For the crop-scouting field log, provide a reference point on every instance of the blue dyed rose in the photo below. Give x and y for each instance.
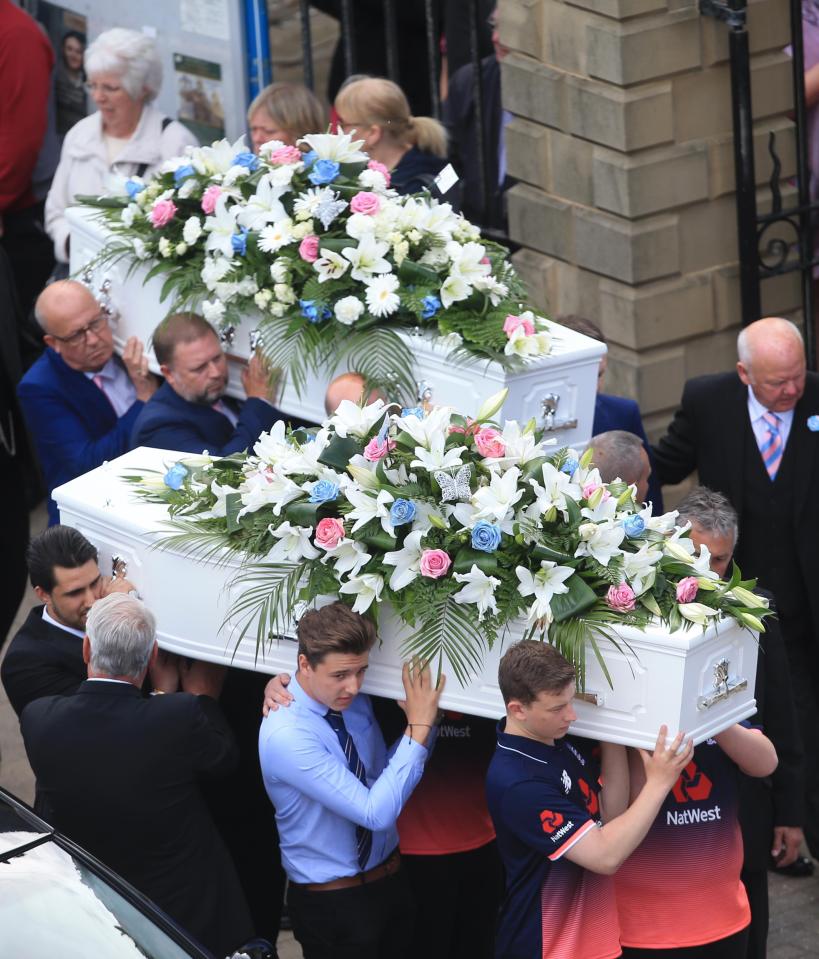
(413, 411)
(570, 467)
(132, 188)
(309, 159)
(324, 491)
(402, 511)
(309, 310)
(246, 159)
(634, 525)
(485, 536)
(323, 172)
(182, 173)
(239, 241)
(175, 476)
(431, 306)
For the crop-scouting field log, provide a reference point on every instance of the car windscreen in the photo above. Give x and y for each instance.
(51, 904)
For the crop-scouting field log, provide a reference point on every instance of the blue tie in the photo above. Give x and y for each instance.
(364, 837)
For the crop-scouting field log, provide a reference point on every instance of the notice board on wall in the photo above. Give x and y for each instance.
(202, 45)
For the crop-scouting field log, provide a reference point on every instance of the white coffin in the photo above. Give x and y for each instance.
(661, 678)
(565, 382)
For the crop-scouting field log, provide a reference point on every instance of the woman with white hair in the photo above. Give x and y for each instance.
(125, 137)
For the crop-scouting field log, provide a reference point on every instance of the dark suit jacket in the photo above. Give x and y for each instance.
(708, 434)
(777, 800)
(119, 772)
(170, 422)
(42, 660)
(621, 413)
(74, 427)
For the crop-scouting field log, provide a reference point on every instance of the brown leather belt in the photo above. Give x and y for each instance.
(389, 867)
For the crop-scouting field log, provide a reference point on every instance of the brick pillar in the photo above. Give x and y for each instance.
(622, 145)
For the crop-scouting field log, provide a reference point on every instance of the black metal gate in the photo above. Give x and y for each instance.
(781, 241)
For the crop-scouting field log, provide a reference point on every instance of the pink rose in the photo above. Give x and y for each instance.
(329, 533)
(490, 443)
(687, 589)
(471, 427)
(209, 198)
(309, 248)
(435, 563)
(591, 488)
(379, 168)
(364, 202)
(621, 598)
(377, 449)
(285, 155)
(512, 322)
(162, 212)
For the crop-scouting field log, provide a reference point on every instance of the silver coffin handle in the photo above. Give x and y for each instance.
(549, 405)
(725, 685)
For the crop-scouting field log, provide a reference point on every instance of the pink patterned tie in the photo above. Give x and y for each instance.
(100, 384)
(771, 449)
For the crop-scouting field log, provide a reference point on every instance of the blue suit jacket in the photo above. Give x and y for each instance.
(74, 427)
(170, 422)
(619, 413)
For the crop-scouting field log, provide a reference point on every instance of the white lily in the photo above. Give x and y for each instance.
(496, 501)
(268, 488)
(702, 563)
(528, 347)
(367, 258)
(366, 589)
(640, 568)
(294, 544)
(350, 419)
(330, 266)
(263, 207)
(273, 447)
(600, 541)
(557, 487)
(423, 430)
(348, 557)
(336, 146)
(547, 582)
(479, 589)
(467, 261)
(367, 507)
(217, 158)
(220, 227)
(697, 612)
(453, 289)
(407, 561)
(436, 457)
(221, 493)
(604, 509)
(303, 459)
(663, 523)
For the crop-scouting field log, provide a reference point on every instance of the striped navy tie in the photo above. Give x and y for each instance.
(364, 837)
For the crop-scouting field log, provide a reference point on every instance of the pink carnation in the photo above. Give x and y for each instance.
(209, 198)
(162, 212)
(364, 202)
(435, 563)
(687, 589)
(490, 443)
(285, 155)
(512, 322)
(329, 533)
(379, 168)
(591, 488)
(377, 449)
(621, 598)
(309, 248)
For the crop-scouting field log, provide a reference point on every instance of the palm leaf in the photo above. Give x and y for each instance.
(383, 359)
(449, 630)
(267, 601)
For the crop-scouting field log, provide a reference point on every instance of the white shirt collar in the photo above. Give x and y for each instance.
(68, 629)
(756, 410)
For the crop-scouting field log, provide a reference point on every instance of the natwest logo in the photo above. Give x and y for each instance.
(550, 821)
(693, 785)
(589, 797)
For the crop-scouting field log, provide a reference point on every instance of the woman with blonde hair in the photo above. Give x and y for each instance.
(412, 148)
(286, 112)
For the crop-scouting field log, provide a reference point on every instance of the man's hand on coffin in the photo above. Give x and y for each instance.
(136, 364)
(202, 679)
(258, 381)
(276, 694)
(164, 672)
(115, 584)
(422, 697)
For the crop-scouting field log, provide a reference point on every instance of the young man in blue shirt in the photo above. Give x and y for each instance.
(338, 793)
(545, 798)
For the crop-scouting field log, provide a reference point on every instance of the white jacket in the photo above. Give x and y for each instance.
(84, 167)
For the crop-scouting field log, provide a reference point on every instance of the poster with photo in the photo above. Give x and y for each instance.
(68, 31)
(200, 96)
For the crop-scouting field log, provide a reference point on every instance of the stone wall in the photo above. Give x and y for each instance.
(622, 145)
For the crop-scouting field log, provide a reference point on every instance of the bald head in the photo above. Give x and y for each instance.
(618, 454)
(772, 362)
(75, 325)
(348, 386)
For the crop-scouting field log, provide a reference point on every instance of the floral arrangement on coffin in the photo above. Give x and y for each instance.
(463, 526)
(333, 259)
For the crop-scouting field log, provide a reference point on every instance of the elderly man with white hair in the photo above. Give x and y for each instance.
(753, 434)
(119, 772)
(126, 137)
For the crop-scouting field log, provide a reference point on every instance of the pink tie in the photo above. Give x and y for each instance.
(771, 449)
(99, 383)
(220, 407)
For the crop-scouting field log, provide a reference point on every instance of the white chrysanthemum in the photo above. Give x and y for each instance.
(284, 293)
(372, 180)
(192, 229)
(306, 204)
(274, 237)
(262, 298)
(279, 271)
(494, 289)
(215, 269)
(359, 224)
(181, 249)
(382, 300)
(348, 309)
(213, 310)
(165, 248)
